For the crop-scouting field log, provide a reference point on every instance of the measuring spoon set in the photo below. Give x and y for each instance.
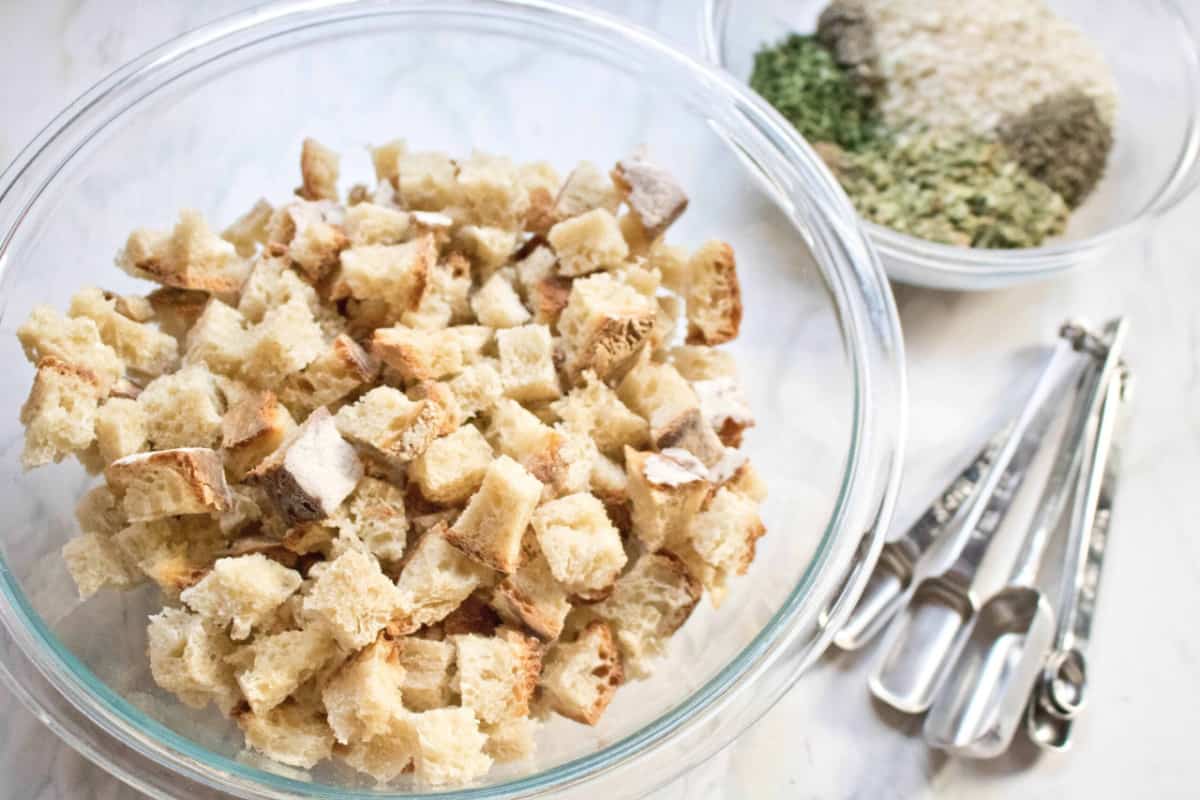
(981, 667)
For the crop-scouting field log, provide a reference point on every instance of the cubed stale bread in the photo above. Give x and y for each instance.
(412, 462)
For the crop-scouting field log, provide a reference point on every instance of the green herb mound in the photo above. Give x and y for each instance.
(801, 78)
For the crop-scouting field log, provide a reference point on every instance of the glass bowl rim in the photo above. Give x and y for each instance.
(946, 266)
(869, 323)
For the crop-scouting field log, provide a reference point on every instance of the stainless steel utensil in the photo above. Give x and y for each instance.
(1059, 695)
(924, 639)
(985, 694)
(904, 560)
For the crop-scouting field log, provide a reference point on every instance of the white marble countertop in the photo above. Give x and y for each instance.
(826, 739)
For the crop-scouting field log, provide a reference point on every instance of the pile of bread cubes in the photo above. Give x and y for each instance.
(415, 469)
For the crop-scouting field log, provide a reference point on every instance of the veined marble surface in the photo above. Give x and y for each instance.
(826, 739)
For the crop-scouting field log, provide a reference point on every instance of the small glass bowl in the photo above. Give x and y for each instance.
(214, 119)
(1155, 163)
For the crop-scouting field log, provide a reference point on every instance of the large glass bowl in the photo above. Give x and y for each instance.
(1152, 50)
(214, 119)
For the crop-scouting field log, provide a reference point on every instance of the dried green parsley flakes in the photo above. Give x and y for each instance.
(800, 77)
(950, 187)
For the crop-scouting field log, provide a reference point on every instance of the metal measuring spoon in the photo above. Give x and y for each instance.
(925, 637)
(985, 695)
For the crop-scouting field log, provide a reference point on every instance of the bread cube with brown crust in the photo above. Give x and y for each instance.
(441, 395)
(497, 675)
(723, 404)
(375, 513)
(669, 403)
(497, 303)
(447, 297)
(70, 340)
(427, 666)
(489, 188)
(291, 733)
(319, 171)
(604, 326)
(665, 490)
(586, 189)
(473, 616)
(273, 666)
(581, 677)
(548, 298)
(394, 276)
(241, 593)
(648, 604)
(580, 544)
(535, 262)
(654, 196)
(527, 363)
(338, 372)
(311, 472)
(60, 413)
(453, 466)
(188, 658)
(273, 283)
(191, 256)
(141, 347)
(436, 579)
(218, 339)
(286, 341)
(517, 432)
(120, 429)
(541, 183)
(176, 310)
(417, 355)
(251, 430)
(725, 531)
(491, 527)
(594, 409)
(354, 599)
(389, 426)
(96, 562)
(533, 599)
(364, 695)
(488, 248)
(385, 158)
(249, 230)
(714, 295)
(183, 409)
(477, 388)
(370, 223)
(587, 243)
(165, 483)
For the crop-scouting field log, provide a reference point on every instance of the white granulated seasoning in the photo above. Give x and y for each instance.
(969, 63)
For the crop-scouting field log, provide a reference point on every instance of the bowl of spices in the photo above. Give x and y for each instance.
(984, 143)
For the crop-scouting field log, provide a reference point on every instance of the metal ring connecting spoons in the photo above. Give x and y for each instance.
(926, 636)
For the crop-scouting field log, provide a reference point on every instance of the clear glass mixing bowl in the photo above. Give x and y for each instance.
(1152, 49)
(214, 119)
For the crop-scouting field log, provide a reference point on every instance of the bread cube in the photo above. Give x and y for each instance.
(285, 342)
(447, 297)
(394, 275)
(747, 482)
(176, 310)
(714, 295)
(369, 223)
(319, 170)
(427, 665)
(141, 347)
(724, 533)
(586, 189)
(665, 490)
(594, 409)
(654, 196)
(182, 409)
(354, 599)
(582, 676)
(273, 283)
(385, 158)
(174, 552)
(473, 616)
(511, 739)
(664, 398)
(191, 256)
(517, 432)
(436, 579)
(724, 406)
(703, 363)
(251, 430)
(548, 298)
(449, 747)
(187, 658)
(309, 475)
(491, 527)
(605, 325)
(417, 355)
(527, 363)
(389, 753)
(389, 425)
(73, 341)
(589, 242)
(453, 466)
(99, 511)
(536, 266)
(292, 733)
(218, 339)
(439, 393)
(488, 248)
(427, 181)
(533, 599)
(375, 514)
(648, 604)
(273, 666)
(497, 674)
(497, 303)
(364, 695)
(333, 375)
(477, 388)
(580, 544)
(96, 562)
(187, 480)
(241, 593)
(489, 188)
(60, 413)
(249, 230)
(120, 429)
